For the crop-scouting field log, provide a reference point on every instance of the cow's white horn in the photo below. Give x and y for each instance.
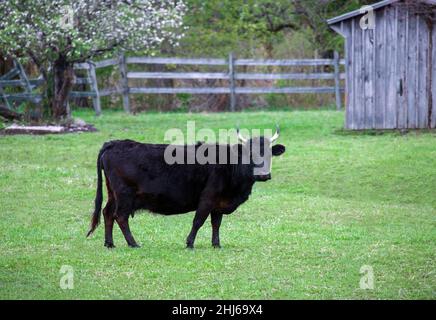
(276, 135)
(240, 137)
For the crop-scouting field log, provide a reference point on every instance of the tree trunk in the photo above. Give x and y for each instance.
(63, 78)
(269, 48)
(6, 64)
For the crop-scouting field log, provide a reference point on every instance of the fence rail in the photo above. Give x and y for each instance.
(7, 80)
(230, 74)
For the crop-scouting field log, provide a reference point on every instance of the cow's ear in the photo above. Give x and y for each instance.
(278, 150)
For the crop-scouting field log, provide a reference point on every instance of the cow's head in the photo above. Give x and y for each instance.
(260, 151)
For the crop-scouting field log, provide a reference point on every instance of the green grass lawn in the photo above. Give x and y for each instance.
(337, 202)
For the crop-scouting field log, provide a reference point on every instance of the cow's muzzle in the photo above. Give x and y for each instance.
(263, 178)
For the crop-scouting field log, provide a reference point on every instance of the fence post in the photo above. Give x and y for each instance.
(92, 77)
(3, 95)
(25, 80)
(124, 82)
(23, 77)
(338, 80)
(68, 107)
(232, 82)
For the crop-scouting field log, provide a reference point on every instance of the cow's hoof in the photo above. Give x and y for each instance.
(109, 245)
(134, 246)
(190, 246)
(217, 246)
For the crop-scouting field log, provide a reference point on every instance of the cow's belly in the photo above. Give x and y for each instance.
(168, 196)
(164, 204)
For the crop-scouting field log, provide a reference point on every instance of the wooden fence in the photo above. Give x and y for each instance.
(231, 75)
(10, 80)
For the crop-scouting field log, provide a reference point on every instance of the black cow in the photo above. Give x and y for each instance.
(138, 177)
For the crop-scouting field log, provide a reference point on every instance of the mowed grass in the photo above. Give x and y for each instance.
(337, 202)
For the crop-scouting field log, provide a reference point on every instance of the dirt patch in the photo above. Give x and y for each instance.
(43, 130)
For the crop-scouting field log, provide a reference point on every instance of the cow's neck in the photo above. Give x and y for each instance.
(242, 177)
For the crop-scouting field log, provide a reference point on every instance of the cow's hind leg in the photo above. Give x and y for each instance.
(124, 208)
(108, 214)
(123, 222)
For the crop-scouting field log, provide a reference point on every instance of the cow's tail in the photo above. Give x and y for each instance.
(95, 220)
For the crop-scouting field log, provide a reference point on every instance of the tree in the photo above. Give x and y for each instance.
(267, 20)
(213, 28)
(55, 34)
(219, 26)
(313, 14)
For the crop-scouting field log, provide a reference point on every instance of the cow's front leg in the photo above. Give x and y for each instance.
(199, 219)
(216, 223)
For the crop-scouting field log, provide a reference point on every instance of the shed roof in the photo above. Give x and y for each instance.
(375, 6)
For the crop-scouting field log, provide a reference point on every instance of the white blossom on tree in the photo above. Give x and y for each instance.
(55, 34)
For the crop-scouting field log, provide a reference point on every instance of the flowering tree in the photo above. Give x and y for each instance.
(55, 34)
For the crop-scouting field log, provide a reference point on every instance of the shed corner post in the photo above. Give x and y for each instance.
(124, 82)
(337, 80)
(232, 82)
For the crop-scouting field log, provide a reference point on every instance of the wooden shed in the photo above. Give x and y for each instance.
(391, 66)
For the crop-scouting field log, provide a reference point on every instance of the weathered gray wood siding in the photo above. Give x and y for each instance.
(433, 79)
(390, 78)
(388, 91)
(404, 38)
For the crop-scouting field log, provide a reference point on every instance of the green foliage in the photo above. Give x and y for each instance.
(184, 100)
(212, 28)
(336, 202)
(217, 27)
